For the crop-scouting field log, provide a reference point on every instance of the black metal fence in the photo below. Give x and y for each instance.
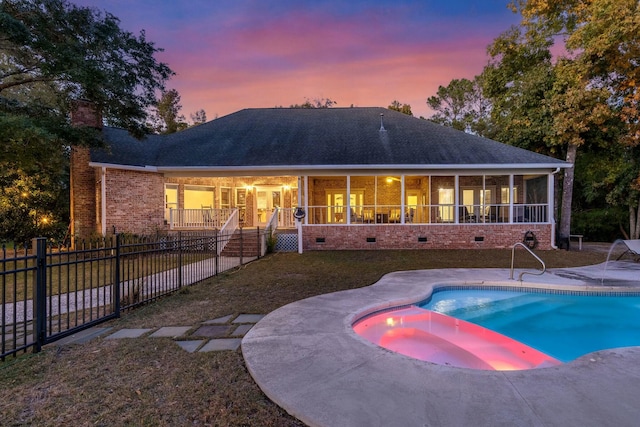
(48, 293)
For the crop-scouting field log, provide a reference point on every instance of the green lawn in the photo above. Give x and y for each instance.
(152, 382)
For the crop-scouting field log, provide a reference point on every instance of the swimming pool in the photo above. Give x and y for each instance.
(306, 357)
(564, 326)
(505, 329)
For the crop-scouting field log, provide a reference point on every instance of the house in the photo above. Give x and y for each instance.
(367, 178)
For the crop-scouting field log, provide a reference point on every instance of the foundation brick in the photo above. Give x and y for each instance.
(439, 236)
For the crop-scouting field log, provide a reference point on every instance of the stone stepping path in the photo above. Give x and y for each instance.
(223, 333)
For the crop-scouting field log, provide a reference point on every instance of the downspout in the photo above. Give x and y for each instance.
(103, 204)
(551, 191)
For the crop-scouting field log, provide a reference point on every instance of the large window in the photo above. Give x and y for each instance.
(199, 197)
(170, 199)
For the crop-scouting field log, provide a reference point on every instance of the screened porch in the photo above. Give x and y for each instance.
(412, 199)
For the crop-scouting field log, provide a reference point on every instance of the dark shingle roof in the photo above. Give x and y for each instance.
(313, 137)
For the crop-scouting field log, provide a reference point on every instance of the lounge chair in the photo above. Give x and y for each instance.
(633, 248)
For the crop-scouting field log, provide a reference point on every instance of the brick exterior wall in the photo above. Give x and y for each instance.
(438, 236)
(134, 201)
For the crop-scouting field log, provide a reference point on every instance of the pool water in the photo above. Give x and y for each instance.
(562, 326)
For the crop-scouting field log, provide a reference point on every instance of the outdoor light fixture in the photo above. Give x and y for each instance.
(299, 213)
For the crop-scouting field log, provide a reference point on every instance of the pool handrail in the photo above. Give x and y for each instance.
(513, 254)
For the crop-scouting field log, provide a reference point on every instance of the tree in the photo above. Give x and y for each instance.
(579, 115)
(199, 117)
(403, 108)
(547, 106)
(517, 81)
(167, 113)
(315, 103)
(52, 53)
(603, 37)
(462, 106)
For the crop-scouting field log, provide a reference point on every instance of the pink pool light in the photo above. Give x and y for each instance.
(438, 338)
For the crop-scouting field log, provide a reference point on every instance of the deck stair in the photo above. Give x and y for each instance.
(247, 246)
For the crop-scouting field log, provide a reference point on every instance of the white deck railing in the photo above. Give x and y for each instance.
(199, 219)
(227, 230)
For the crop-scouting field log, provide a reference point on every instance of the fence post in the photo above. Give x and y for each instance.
(116, 278)
(217, 256)
(40, 294)
(179, 259)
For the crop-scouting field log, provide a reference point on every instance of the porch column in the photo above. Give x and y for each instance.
(306, 198)
(456, 202)
(348, 212)
(511, 199)
(402, 201)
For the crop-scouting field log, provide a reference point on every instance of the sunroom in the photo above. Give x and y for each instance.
(426, 199)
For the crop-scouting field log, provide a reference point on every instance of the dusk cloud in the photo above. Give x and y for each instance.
(230, 55)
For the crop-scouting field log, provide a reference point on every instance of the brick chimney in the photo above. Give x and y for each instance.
(83, 177)
(84, 113)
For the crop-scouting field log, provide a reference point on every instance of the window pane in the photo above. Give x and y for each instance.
(225, 197)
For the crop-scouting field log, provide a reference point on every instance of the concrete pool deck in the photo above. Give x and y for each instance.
(306, 357)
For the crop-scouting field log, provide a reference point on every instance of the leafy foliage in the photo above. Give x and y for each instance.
(315, 103)
(51, 54)
(80, 53)
(579, 100)
(603, 37)
(462, 105)
(167, 116)
(199, 117)
(402, 108)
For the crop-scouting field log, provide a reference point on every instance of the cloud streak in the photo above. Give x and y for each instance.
(230, 55)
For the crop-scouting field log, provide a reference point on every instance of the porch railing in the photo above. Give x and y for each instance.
(227, 230)
(273, 221)
(199, 219)
(428, 214)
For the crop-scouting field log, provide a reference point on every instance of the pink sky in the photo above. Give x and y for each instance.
(235, 54)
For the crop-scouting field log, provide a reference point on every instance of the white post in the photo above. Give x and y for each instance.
(299, 225)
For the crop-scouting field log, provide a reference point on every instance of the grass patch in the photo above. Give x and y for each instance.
(152, 382)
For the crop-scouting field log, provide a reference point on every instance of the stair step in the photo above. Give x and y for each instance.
(248, 246)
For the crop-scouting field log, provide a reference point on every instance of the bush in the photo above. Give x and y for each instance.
(600, 225)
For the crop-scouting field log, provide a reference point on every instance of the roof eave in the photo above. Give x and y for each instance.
(325, 169)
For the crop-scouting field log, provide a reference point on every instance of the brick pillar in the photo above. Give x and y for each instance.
(83, 193)
(82, 176)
